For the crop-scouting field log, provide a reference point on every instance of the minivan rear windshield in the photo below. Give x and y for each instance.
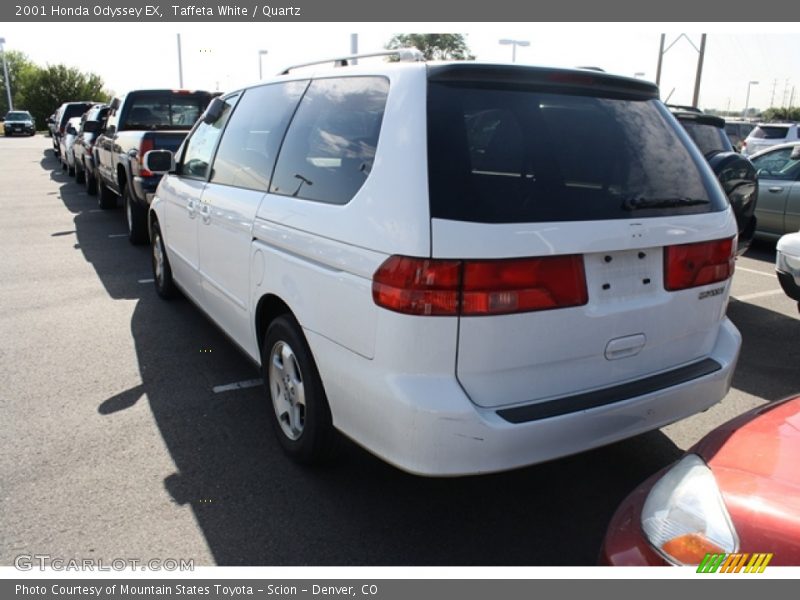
(770, 132)
(506, 155)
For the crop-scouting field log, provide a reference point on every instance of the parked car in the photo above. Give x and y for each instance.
(737, 132)
(735, 172)
(141, 120)
(465, 268)
(766, 135)
(92, 122)
(51, 124)
(787, 265)
(18, 122)
(64, 113)
(66, 141)
(778, 208)
(736, 491)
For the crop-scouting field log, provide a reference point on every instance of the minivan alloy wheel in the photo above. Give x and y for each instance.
(158, 259)
(287, 390)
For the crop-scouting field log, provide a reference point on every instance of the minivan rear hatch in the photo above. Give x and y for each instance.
(594, 244)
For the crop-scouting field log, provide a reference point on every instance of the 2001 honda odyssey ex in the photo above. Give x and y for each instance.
(463, 267)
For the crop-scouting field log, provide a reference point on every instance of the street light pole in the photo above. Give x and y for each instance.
(514, 44)
(260, 73)
(180, 63)
(747, 101)
(5, 73)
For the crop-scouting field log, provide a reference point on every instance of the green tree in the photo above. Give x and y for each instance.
(55, 84)
(781, 114)
(20, 71)
(434, 46)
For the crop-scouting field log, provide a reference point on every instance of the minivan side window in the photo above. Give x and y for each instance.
(331, 142)
(200, 146)
(248, 150)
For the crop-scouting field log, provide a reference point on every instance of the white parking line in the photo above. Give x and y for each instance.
(755, 295)
(146, 280)
(112, 235)
(746, 270)
(237, 386)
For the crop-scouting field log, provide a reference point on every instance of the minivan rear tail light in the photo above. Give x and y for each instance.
(693, 265)
(417, 286)
(422, 286)
(492, 287)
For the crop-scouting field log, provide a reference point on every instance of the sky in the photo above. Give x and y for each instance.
(226, 56)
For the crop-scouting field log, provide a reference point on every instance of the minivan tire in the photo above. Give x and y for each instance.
(162, 272)
(297, 405)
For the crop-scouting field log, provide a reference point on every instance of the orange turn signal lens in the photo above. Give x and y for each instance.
(690, 548)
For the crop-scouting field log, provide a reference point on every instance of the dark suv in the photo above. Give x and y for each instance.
(735, 172)
(18, 122)
(64, 113)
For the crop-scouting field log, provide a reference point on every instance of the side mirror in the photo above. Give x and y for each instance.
(213, 111)
(159, 161)
(91, 126)
(795, 155)
(110, 130)
(71, 130)
(115, 104)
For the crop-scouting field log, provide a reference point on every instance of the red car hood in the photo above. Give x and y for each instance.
(756, 462)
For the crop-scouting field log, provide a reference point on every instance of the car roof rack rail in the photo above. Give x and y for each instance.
(403, 54)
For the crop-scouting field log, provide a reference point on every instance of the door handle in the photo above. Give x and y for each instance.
(775, 189)
(205, 212)
(191, 209)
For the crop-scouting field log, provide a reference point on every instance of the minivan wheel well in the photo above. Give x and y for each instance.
(270, 307)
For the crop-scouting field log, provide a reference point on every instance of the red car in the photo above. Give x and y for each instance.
(736, 491)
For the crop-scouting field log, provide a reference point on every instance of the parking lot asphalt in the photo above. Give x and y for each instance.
(115, 443)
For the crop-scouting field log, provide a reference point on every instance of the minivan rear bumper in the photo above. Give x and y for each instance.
(426, 424)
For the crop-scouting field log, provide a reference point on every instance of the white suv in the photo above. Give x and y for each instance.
(766, 135)
(463, 267)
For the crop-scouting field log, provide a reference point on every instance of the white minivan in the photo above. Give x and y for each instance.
(463, 267)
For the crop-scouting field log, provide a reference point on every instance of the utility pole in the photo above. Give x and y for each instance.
(5, 74)
(700, 57)
(785, 91)
(660, 59)
(772, 100)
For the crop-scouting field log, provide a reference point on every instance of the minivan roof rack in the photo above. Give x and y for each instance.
(404, 54)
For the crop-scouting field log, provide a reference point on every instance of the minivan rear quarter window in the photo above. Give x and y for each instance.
(330, 145)
(500, 154)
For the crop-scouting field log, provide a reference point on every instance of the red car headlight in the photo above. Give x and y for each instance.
(684, 517)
